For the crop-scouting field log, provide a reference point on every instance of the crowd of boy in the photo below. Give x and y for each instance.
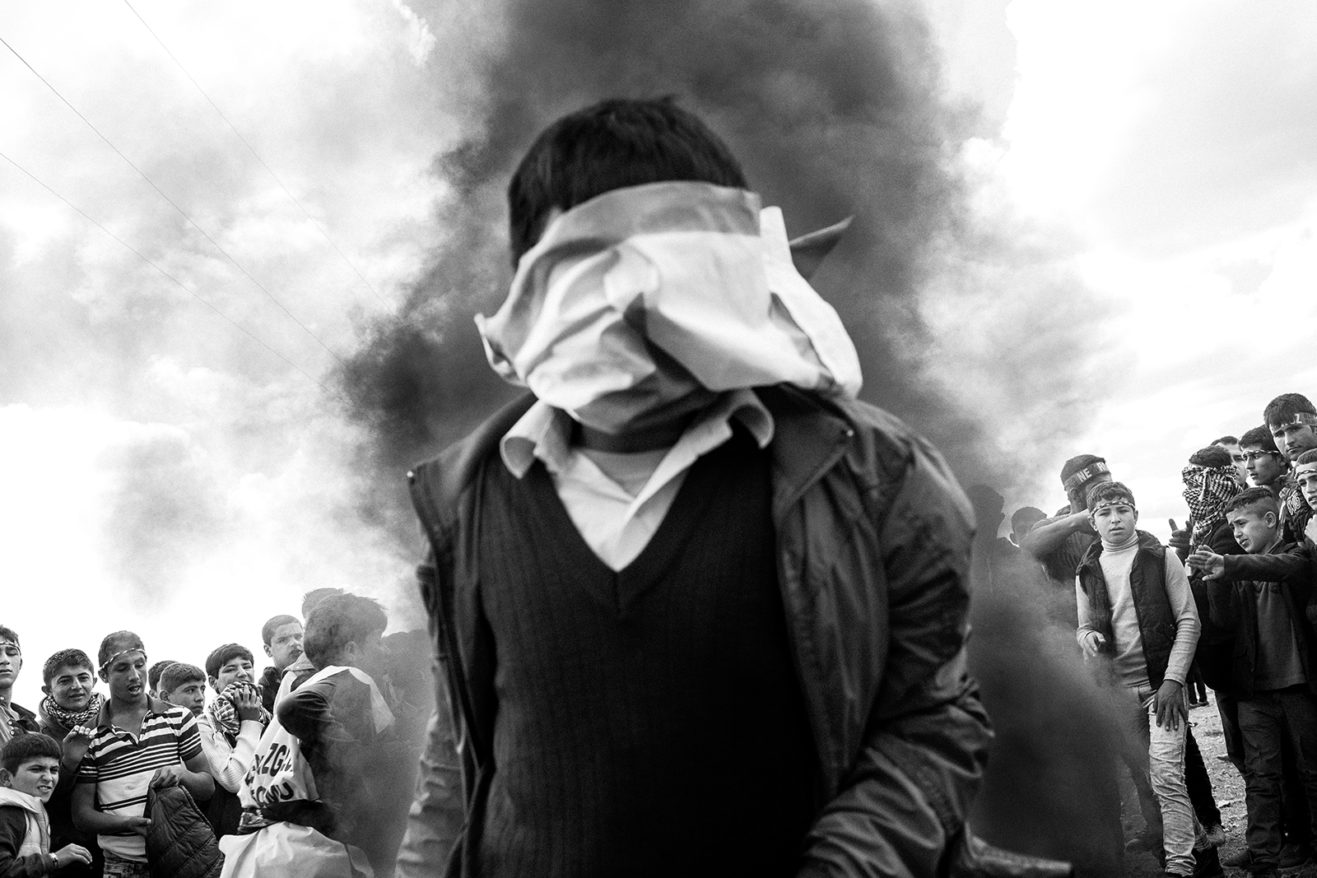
(1233, 606)
(77, 773)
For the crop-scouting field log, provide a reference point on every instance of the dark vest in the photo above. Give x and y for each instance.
(1151, 605)
(649, 721)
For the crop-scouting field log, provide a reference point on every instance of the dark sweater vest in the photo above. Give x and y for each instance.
(649, 721)
(1152, 607)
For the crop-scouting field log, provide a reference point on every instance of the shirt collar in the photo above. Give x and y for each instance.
(544, 432)
(153, 706)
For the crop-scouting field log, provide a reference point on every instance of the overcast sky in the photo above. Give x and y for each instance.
(173, 456)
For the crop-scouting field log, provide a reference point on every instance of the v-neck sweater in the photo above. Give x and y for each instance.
(649, 720)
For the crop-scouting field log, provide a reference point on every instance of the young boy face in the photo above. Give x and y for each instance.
(11, 662)
(190, 695)
(1264, 467)
(1306, 478)
(285, 646)
(126, 676)
(236, 669)
(70, 687)
(1293, 439)
(1114, 520)
(36, 777)
(1255, 530)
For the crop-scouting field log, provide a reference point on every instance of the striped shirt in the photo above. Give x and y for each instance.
(121, 766)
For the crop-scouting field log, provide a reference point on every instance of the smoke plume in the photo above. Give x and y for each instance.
(834, 109)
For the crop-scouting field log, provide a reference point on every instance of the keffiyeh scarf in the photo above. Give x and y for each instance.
(1207, 490)
(69, 718)
(224, 713)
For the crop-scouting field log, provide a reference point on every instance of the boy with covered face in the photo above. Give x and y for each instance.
(689, 540)
(1136, 613)
(1262, 596)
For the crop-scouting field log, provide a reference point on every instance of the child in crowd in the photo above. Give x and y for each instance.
(1292, 420)
(153, 678)
(282, 636)
(14, 719)
(29, 771)
(183, 685)
(1274, 669)
(68, 714)
(230, 729)
(1136, 610)
(139, 742)
(346, 729)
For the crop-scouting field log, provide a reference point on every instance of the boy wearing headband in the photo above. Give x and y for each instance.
(140, 742)
(1136, 613)
(700, 611)
(1292, 420)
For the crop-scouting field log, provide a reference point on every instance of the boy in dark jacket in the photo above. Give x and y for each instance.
(14, 719)
(1274, 670)
(29, 771)
(689, 540)
(347, 732)
(68, 714)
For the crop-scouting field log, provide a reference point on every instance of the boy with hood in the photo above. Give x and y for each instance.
(29, 770)
(690, 540)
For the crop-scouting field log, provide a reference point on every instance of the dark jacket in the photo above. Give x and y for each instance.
(1232, 603)
(25, 720)
(873, 540)
(1152, 607)
(60, 810)
(1216, 644)
(179, 843)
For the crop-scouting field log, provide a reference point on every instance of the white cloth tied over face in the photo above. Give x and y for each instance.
(644, 295)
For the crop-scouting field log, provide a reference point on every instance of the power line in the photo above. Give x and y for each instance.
(272, 297)
(203, 300)
(236, 133)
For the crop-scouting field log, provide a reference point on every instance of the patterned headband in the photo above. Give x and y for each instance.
(1118, 500)
(123, 652)
(1079, 477)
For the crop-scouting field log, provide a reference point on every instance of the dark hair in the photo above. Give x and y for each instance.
(314, 597)
(1212, 455)
(25, 748)
(9, 634)
(1309, 456)
(337, 621)
(222, 655)
(1286, 406)
(1109, 491)
(1026, 512)
(153, 673)
(179, 673)
(1255, 496)
(612, 145)
(274, 623)
(1261, 437)
(122, 639)
(1226, 440)
(74, 658)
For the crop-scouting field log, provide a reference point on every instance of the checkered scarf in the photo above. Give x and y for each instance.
(224, 714)
(1207, 490)
(68, 718)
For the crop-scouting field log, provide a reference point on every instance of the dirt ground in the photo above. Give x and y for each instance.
(1227, 786)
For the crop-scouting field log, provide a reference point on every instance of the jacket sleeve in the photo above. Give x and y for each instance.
(1267, 568)
(13, 829)
(902, 806)
(438, 811)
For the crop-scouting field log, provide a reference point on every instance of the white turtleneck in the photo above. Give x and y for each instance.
(1130, 665)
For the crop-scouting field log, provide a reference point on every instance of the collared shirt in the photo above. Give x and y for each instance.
(617, 501)
(121, 766)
